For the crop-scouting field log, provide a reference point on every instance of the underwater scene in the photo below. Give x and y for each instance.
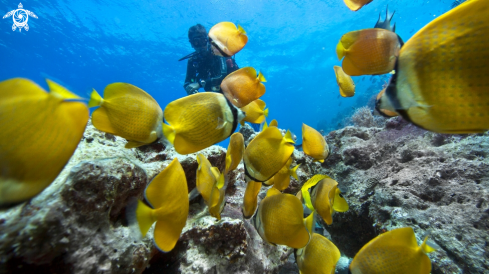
(333, 136)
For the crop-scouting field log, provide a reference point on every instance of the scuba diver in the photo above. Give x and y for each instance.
(204, 69)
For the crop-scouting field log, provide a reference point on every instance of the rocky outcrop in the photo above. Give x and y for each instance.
(401, 175)
(78, 223)
(392, 173)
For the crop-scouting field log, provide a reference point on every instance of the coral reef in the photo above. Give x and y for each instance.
(392, 173)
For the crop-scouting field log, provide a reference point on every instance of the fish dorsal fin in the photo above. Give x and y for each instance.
(288, 137)
(261, 77)
(273, 191)
(339, 204)
(61, 92)
(293, 172)
(261, 104)
(314, 180)
(264, 126)
(273, 123)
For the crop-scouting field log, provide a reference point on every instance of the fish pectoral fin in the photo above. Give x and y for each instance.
(133, 144)
(220, 123)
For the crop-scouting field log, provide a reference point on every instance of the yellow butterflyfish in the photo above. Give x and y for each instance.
(319, 256)
(243, 86)
(199, 121)
(39, 131)
(129, 112)
(250, 199)
(281, 179)
(346, 84)
(314, 144)
(167, 196)
(267, 153)
(368, 51)
(279, 220)
(255, 112)
(394, 252)
(226, 39)
(325, 198)
(235, 152)
(441, 84)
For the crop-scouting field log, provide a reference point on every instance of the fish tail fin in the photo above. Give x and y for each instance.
(95, 99)
(59, 91)
(241, 30)
(428, 246)
(169, 133)
(265, 112)
(340, 50)
(261, 77)
(140, 213)
(264, 126)
(288, 137)
(293, 172)
(309, 222)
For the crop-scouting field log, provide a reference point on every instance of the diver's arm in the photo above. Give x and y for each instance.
(190, 85)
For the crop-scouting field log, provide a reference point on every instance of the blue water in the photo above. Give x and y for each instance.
(90, 44)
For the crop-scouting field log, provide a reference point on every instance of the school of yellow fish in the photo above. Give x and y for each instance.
(434, 85)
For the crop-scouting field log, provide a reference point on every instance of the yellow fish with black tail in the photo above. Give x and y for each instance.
(250, 199)
(129, 112)
(394, 252)
(355, 5)
(167, 196)
(313, 144)
(281, 179)
(368, 51)
(279, 220)
(346, 84)
(39, 132)
(267, 153)
(383, 105)
(325, 198)
(227, 40)
(243, 86)
(235, 152)
(199, 121)
(255, 112)
(441, 84)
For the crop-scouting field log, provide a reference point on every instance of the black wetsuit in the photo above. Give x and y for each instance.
(210, 68)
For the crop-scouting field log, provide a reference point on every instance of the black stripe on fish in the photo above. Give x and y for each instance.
(218, 48)
(234, 110)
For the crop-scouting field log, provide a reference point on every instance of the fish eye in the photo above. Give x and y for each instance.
(341, 195)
